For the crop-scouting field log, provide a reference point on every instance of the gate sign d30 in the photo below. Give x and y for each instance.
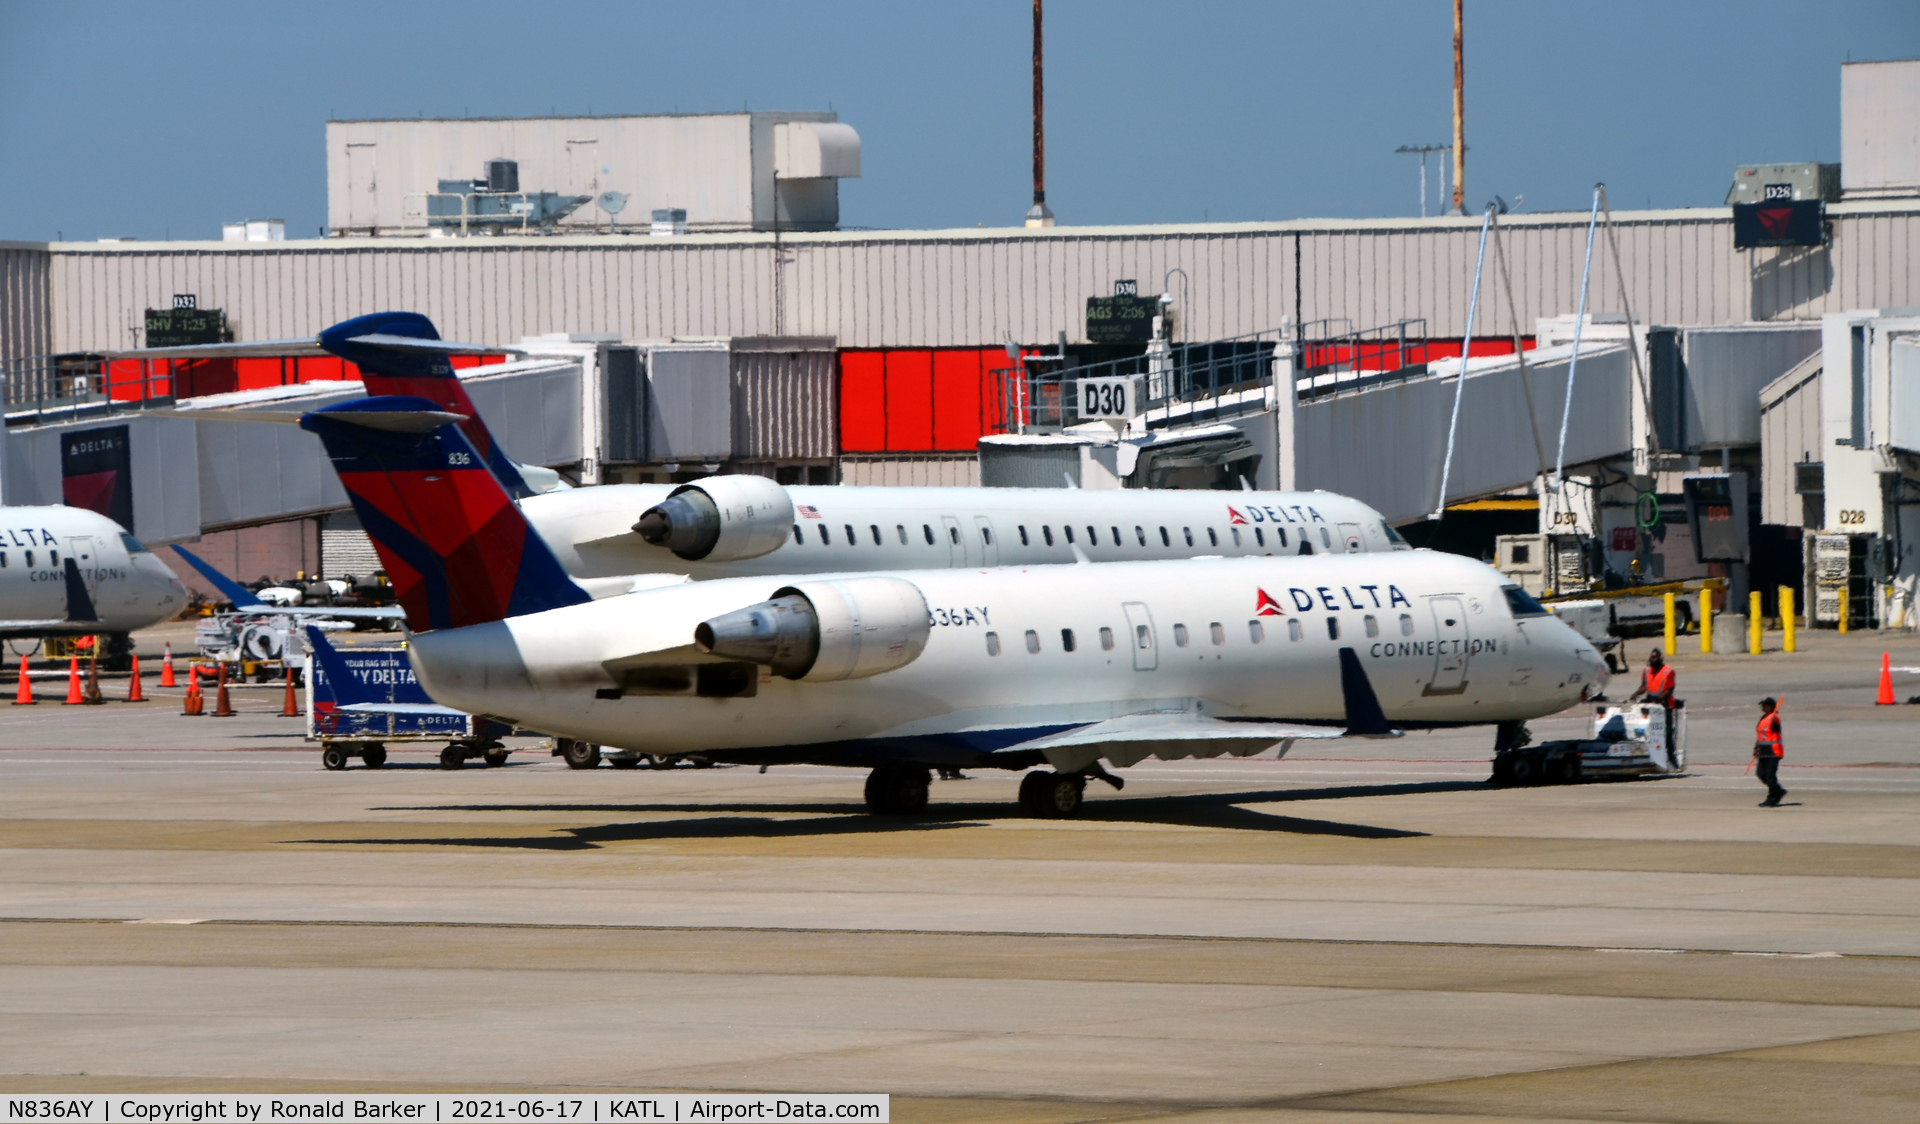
(1106, 398)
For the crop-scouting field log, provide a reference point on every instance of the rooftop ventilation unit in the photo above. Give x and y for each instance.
(494, 203)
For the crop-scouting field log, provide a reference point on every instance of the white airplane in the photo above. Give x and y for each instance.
(126, 587)
(727, 526)
(1064, 665)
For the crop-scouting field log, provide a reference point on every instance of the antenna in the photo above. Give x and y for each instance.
(612, 202)
(1422, 151)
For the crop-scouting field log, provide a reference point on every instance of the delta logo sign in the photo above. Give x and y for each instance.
(1301, 513)
(1265, 606)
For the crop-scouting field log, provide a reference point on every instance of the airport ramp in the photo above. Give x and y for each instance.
(1384, 443)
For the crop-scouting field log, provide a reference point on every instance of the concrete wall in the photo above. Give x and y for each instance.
(977, 287)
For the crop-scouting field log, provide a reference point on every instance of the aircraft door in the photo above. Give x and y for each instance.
(1350, 538)
(1146, 649)
(956, 542)
(989, 542)
(1450, 659)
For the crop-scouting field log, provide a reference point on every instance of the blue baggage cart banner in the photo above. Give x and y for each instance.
(385, 676)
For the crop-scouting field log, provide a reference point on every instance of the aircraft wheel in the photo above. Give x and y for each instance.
(624, 762)
(579, 754)
(494, 758)
(702, 763)
(374, 755)
(333, 758)
(1064, 794)
(897, 791)
(452, 757)
(1031, 799)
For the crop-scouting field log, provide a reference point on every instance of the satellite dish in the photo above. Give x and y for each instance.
(613, 202)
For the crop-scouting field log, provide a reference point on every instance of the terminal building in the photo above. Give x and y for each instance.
(713, 317)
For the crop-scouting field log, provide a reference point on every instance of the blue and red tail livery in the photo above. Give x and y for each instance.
(419, 373)
(455, 547)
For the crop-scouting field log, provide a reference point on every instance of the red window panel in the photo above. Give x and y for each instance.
(956, 399)
(863, 402)
(909, 406)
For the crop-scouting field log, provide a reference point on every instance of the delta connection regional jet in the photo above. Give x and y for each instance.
(728, 526)
(1067, 666)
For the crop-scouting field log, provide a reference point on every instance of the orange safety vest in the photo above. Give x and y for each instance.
(1766, 735)
(1658, 685)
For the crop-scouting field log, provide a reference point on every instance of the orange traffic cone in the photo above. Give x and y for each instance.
(190, 706)
(74, 697)
(290, 709)
(93, 696)
(24, 696)
(133, 688)
(166, 668)
(222, 707)
(1886, 680)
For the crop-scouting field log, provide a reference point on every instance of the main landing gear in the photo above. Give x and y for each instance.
(1058, 796)
(897, 790)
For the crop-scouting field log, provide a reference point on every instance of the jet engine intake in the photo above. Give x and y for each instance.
(825, 631)
(720, 519)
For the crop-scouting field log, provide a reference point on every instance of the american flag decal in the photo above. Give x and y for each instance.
(807, 512)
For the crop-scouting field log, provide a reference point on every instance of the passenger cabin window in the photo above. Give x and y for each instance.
(1236, 536)
(1106, 640)
(927, 530)
(1047, 533)
(53, 558)
(1142, 637)
(1218, 632)
(1260, 536)
(902, 529)
(986, 535)
(1093, 535)
(875, 528)
(1294, 631)
(826, 536)
(953, 533)
(1068, 531)
(1213, 538)
(29, 559)
(798, 538)
(1256, 632)
(1326, 538)
(1522, 603)
(1406, 624)
(1142, 533)
(1116, 536)
(852, 539)
(3, 559)
(1165, 539)
(1373, 626)
(993, 643)
(1333, 628)
(1188, 532)
(1281, 532)
(1023, 535)
(1179, 635)
(1066, 640)
(1033, 642)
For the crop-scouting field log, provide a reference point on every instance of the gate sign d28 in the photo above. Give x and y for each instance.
(1106, 398)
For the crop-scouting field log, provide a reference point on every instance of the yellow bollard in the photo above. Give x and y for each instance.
(1668, 634)
(1706, 620)
(1843, 610)
(1753, 623)
(1786, 618)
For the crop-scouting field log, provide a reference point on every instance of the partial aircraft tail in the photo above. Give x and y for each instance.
(455, 547)
(80, 608)
(240, 595)
(396, 355)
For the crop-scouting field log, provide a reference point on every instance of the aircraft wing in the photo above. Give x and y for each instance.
(1166, 734)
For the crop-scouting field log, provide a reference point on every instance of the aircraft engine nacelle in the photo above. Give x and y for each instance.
(720, 519)
(825, 631)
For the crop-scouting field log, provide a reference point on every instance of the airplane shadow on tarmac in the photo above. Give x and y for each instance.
(754, 821)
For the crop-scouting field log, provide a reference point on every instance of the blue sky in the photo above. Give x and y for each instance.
(154, 120)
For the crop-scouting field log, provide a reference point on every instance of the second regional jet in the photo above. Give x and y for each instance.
(1066, 666)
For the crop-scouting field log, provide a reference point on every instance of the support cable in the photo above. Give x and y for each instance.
(1519, 348)
(1460, 384)
(1573, 364)
(1639, 375)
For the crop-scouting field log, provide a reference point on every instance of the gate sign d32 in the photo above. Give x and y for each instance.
(1106, 398)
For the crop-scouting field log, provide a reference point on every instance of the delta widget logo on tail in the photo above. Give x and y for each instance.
(1265, 606)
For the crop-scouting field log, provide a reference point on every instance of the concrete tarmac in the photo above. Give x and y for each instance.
(1362, 931)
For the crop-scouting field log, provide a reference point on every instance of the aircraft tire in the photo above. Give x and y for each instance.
(452, 757)
(1030, 795)
(579, 754)
(894, 790)
(1064, 793)
(495, 758)
(333, 758)
(374, 755)
(624, 762)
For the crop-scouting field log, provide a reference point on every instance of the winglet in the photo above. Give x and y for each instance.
(341, 683)
(240, 595)
(1365, 719)
(79, 605)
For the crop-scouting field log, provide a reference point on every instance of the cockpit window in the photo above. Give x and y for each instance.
(1392, 535)
(132, 544)
(1522, 603)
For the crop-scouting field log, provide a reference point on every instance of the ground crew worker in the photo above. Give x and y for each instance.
(1657, 682)
(1767, 751)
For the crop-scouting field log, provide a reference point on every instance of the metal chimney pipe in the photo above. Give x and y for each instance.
(1459, 113)
(1038, 215)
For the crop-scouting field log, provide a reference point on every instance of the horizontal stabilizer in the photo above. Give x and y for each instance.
(1165, 734)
